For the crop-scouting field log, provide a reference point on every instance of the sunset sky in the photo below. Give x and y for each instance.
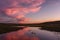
(29, 11)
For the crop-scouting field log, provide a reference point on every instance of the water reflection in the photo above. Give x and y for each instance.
(30, 33)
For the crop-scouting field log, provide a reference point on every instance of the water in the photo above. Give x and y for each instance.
(31, 33)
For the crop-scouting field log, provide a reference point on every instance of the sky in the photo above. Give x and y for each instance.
(29, 11)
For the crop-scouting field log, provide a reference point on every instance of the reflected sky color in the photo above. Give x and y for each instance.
(30, 34)
(29, 11)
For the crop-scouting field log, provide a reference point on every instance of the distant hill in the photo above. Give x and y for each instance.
(32, 24)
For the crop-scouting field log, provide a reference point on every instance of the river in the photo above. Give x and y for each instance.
(31, 33)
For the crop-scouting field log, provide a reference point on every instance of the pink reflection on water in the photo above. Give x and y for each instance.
(20, 35)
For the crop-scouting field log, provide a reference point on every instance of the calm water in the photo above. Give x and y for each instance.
(31, 33)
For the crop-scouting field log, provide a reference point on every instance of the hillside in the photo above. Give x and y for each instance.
(51, 26)
(8, 27)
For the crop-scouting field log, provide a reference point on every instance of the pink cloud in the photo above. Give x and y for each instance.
(19, 8)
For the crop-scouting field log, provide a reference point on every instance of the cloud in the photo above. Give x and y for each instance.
(19, 8)
(7, 20)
